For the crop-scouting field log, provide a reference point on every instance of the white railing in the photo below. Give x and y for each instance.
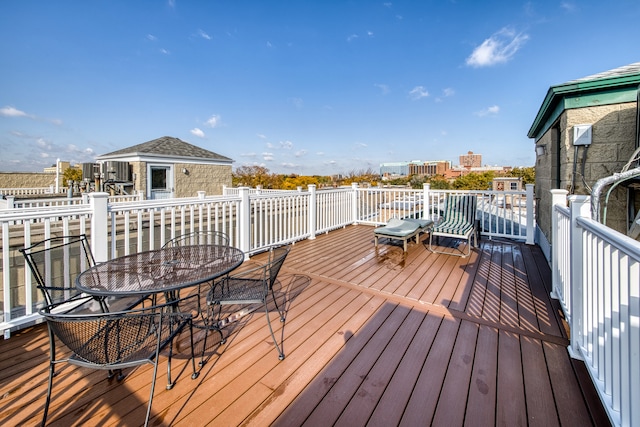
(31, 191)
(561, 261)
(507, 214)
(254, 220)
(600, 294)
(10, 202)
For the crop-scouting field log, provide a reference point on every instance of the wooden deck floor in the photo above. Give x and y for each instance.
(371, 338)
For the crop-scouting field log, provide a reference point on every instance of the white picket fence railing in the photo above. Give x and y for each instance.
(596, 277)
(23, 191)
(254, 219)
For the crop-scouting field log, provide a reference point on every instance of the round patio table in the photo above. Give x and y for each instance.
(162, 270)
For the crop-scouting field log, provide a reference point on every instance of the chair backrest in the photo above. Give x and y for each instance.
(199, 238)
(276, 259)
(110, 339)
(56, 262)
(460, 208)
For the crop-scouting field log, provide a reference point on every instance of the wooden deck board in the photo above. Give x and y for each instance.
(377, 337)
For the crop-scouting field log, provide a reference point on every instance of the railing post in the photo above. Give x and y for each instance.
(579, 206)
(558, 197)
(244, 215)
(99, 228)
(426, 200)
(312, 211)
(201, 194)
(354, 202)
(531, 230)
(11, 202)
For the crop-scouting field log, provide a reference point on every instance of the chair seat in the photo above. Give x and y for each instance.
(238, 291)
(402, 229)
(454, 228)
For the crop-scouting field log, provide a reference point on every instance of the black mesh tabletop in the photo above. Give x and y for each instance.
(161, 270)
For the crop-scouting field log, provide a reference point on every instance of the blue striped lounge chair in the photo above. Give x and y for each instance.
(459, 221)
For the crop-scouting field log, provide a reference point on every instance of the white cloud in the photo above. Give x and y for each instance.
(165, 51)
(267, 157)
(370, 33)
(261, 136)
(151, 37)
(213, 121)
(197, 132)
(301, 153)
(384, 88)
(297, 102)
(204, 35)
(567, 6)
(490, 111)
(286, 144)
(289, 165)
(497, 49)
(418, 92)
(352, 37)
(360, 145)
(12, 112)
(269, 45)
(270, 145)
(448, 92)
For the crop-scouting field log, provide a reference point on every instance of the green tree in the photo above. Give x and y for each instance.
(251, 176)
(528, 174)
(474, 181)
(439, 183)
(72, 174)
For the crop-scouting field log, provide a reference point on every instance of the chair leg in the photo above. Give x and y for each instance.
(273, 336)
(193, 355)
(153, 386)
(209, 326)
(46, 403)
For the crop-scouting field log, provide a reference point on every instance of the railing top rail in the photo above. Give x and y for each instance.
(562, 210)
(618, 240)
(160, 203)
(18, 214)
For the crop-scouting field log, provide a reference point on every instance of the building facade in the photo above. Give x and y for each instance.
(586, 130)
(471, 160)
(169, 167)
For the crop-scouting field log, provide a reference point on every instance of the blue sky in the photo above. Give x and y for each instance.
(303, 87)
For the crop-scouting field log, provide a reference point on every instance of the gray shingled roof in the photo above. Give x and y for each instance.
(169, 147)
(626, 70)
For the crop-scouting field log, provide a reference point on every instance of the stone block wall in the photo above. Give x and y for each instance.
(207, 178)
(613, 143)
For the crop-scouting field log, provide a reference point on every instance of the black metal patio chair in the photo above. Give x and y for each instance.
(204, 237)
(56, 262)
(251, 286)
(116, 340)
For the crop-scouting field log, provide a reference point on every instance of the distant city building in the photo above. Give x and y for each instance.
(414, 167)
(507, 183)
(471, 160)
(458, 171)
(61, 167)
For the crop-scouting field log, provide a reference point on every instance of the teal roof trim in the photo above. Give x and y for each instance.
(606, 88)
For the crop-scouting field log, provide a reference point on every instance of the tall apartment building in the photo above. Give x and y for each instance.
(471, 160)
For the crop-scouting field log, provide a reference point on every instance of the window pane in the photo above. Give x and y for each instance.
(158, 179)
